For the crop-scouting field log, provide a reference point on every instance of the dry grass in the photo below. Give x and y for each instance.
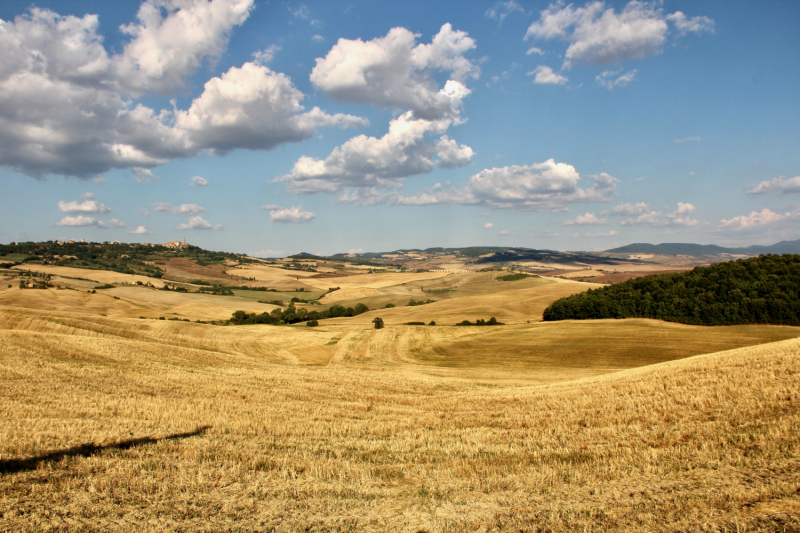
(112, 423)
(706, 441)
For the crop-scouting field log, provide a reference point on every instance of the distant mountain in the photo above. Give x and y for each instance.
(705, 250)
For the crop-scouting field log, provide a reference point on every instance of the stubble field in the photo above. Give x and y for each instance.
(112, 422)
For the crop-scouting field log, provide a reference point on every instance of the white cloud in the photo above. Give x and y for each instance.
(547, 186)
(87, 206)
(270, 207)
(451, 154)
(99, 180)
(301, 12)
(81, 220)
(504, 232)
(685, 25)
(680, 217)
(602, 36)
(143, 175)
(144, 212)
(265, 56)
(171, 39)
(197, 181)
(780, 185)
(183, 209)
(196, 222)
(141, 230)
(395, 71)
(607, 78)
(687, 139)
(66, 108)
(503, 9)
(600, 235)
(252, 107)
(587, 219)
(628, 209)
(488, 225)
(756, 220)
(317, 38)
(546, 76)
(378, 162)
(291, 215)
(114, 223)
(534, 50)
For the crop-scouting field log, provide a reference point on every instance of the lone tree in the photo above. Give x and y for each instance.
(378, 322)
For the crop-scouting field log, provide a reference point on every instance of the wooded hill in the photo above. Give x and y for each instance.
(759, 290)
(707, 250)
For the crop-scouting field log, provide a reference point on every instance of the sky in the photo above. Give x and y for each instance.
(271, 128)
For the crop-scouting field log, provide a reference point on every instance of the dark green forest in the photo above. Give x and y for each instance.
(759, 290)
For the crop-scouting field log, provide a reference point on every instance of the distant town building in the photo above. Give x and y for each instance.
(176, 244)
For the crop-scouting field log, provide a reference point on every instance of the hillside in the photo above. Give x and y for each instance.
(107, 434)
(761, 290)
(701, 250)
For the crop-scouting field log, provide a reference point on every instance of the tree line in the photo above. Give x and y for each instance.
(759, 290)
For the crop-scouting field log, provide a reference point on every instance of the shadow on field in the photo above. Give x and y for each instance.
(12, 466)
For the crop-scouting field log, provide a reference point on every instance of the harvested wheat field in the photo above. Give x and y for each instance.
(111, 434)
(123, 409)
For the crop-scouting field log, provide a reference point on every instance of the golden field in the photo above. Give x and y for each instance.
(112, 422)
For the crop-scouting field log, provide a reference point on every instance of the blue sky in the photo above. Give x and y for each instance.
(277, 127)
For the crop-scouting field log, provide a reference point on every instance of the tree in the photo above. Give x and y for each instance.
(378, 322)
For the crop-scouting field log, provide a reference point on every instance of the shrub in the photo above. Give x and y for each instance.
(389, 306)
(378, 322)
(312, 323)
(415, 323)
(432, 323)
(514, 277)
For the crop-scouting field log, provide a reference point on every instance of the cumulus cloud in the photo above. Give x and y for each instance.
(183, 209)
(90, 205)
(255, 108)
(504, 232)
(601, 36)
(547, 186)
(81, 220)
(756, 220)
(143, 175)
(501, 10)
(114, 223)
(197, 222)
(779, 185)
(680, 217)
(379, 162)
(451, 154)
(685, 24)
(141, 230)
(66, 105)
(628, 209)
(170, 40)
(610, 80)
(292, 215)
(488, 225)
(197, 181)
(534, 50)
(587, 219)
(544, 75)
(395, 71)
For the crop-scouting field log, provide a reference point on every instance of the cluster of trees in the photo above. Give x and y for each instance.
(412, 302)
(759, 290)
(292, 315)
(514, 277)
(481, 322)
